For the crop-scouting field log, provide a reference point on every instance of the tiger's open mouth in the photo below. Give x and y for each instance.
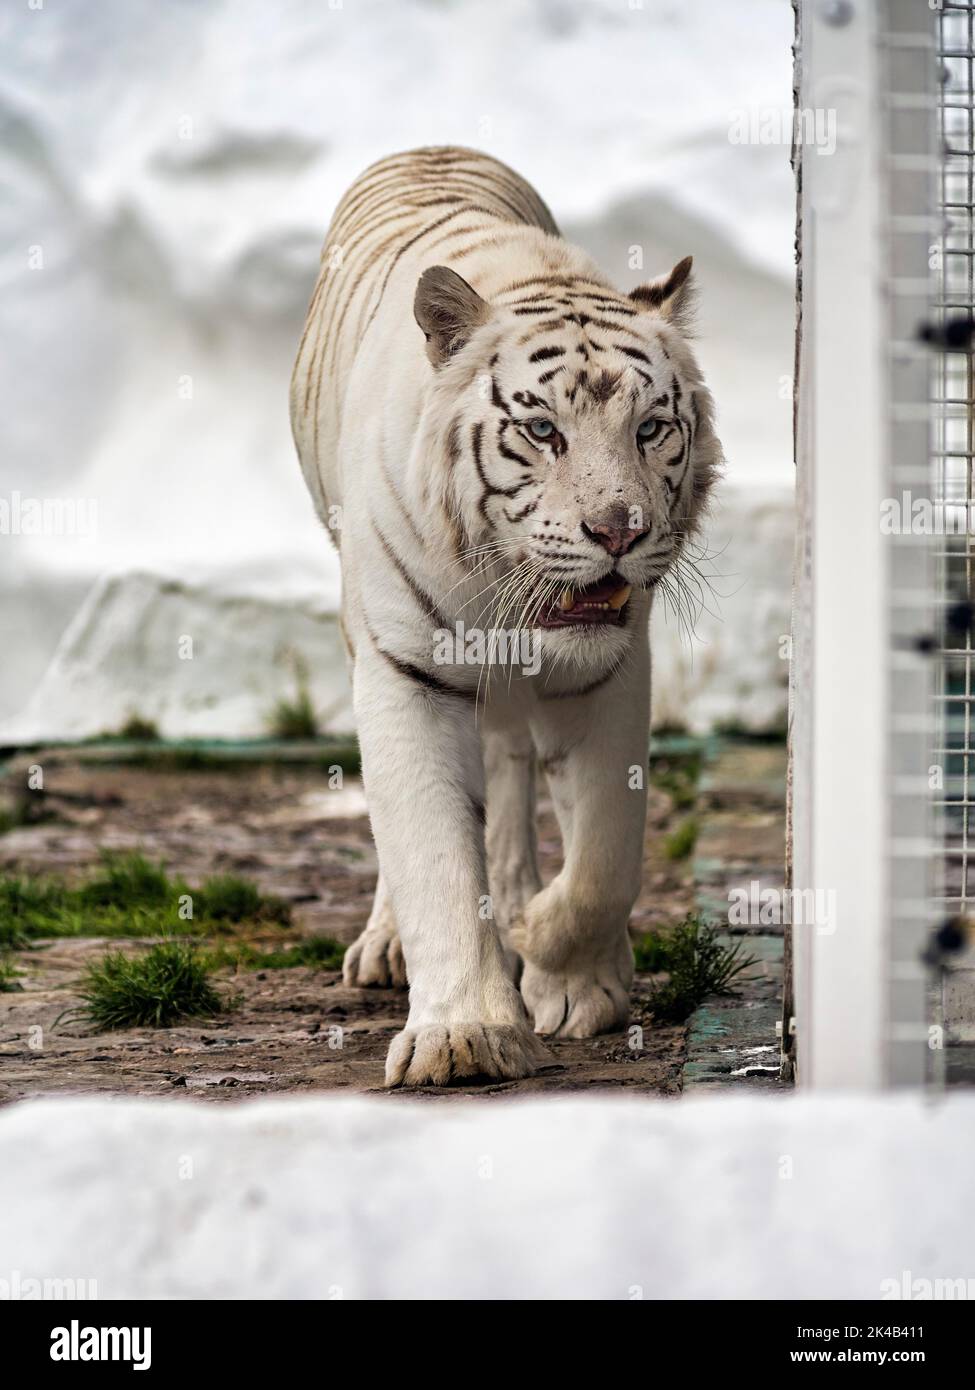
(601, 603)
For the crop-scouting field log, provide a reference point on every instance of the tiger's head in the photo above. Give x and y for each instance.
(577, 437)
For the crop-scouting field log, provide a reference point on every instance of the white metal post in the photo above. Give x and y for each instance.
(853, 972)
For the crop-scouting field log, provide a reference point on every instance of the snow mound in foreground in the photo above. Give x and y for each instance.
(738, 1197)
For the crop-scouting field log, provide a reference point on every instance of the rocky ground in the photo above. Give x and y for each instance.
(292, 1030)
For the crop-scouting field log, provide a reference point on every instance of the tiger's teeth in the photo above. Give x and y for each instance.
(619, 598)
(567, 600)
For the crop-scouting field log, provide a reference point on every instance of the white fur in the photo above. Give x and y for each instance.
(469, 909)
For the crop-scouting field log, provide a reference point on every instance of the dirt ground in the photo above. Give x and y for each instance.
(297, 1029)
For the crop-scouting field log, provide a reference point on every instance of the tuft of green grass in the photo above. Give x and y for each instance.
(318, 952)
(170, 982)
(697, 962)
(8, 974)
(678, 776)
(230, 898)
(135, 729)
(680, 844)
(650, 953)
(126, 880)
(295, 718)
(27, 908)
(128, 895)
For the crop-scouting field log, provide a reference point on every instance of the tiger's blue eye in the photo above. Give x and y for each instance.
(541, 429)
(649, 430)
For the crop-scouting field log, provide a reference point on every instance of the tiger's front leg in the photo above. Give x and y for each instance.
(573, 936)
(424, 781)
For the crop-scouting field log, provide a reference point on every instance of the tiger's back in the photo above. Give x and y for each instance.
(439, 205)
(511, 447)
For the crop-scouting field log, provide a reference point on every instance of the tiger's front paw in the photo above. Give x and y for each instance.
(438, 1054)
(578, 1004)
(375, 959)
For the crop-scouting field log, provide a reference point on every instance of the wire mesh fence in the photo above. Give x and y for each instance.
(954, 451)
(953, 457)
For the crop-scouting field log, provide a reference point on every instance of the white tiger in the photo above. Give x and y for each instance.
(532, 458)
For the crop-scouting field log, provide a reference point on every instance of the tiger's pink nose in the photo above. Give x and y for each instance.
(615, 539)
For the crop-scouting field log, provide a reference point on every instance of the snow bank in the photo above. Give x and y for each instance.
(195, 662)
(739, 1197)
(202, 662)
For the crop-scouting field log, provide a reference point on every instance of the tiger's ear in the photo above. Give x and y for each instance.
(448, 311)
(671, 296)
